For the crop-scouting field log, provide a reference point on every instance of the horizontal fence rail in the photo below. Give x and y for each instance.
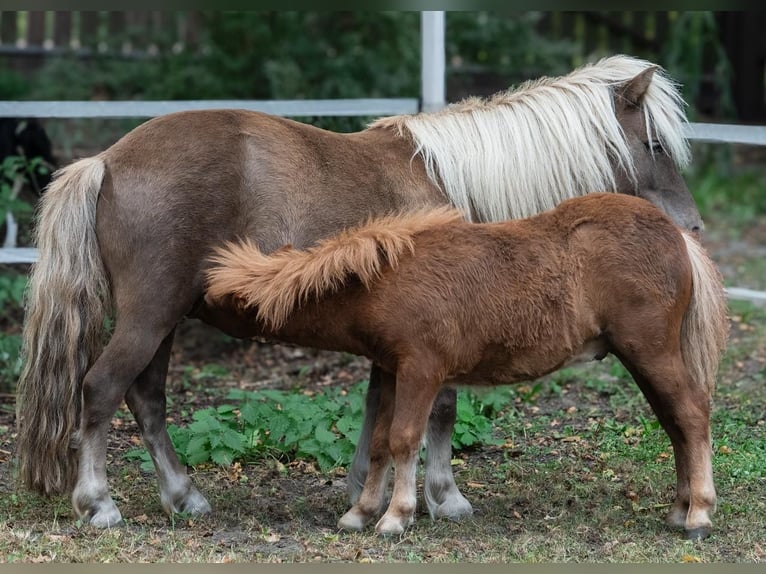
(727, 133)
(147, 109)
(721, 133)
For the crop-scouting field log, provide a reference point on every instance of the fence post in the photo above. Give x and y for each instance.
(432, 61)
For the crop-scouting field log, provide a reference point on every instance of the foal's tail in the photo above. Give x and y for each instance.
(66, 299)
(275, 284)
(705, 325)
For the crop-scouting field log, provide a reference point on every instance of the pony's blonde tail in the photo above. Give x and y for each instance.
(705, 327)
(65, 306)
(275, 284)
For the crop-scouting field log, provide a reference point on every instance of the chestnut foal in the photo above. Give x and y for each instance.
(437, 301)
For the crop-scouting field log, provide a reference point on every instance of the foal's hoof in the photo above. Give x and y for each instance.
(354, 520)
(676, 518)
(699, 533)
(392, 526)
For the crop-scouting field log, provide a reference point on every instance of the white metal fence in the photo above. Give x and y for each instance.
(433, 97)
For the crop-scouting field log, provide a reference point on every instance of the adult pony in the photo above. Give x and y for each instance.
(435, 301)
(127, 233)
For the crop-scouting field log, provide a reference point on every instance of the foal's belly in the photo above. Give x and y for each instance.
(529, 364)
(593, 350)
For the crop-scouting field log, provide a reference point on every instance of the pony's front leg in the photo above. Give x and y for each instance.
(443, 498)
(417, 384)
(146, 400)
(371, 498)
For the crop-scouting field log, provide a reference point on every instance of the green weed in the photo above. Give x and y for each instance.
(287, 425)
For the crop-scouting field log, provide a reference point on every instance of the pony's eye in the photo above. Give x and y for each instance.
(654, 146)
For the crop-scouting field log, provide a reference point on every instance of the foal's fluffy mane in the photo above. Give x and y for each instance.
(523, 151)
(275, 284)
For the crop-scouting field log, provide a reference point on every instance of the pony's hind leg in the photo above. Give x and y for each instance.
(146, 399)
(682, 406)
(127, 354)
(360, 464)
(443, 498)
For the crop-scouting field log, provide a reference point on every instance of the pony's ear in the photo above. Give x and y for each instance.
(632, 92)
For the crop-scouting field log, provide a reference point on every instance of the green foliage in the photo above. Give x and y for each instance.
(507, 44)
(12, 286)
(12, 84)
(10, 361)
(15, 172)
(473, 424)
(283, 424)
(294, 425)
(693, 42)
(720, 192)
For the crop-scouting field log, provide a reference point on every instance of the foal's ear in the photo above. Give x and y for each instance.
(632, 92)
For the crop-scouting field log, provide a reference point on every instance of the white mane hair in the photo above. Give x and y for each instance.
(525, 150)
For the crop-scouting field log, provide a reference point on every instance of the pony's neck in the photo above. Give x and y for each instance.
(504, 161)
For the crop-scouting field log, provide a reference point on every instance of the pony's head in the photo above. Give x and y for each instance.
(656, 148)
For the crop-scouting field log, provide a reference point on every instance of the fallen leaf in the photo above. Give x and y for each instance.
(575, 438)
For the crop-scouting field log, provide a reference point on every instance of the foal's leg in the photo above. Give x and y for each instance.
(372, 495)
(127, 354)
(682, 406)
(416, 388)
(146, 400)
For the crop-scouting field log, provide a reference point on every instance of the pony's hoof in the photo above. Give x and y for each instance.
(455, 508)
(191, 502)
(699, 533)
(195, 503)
(100, 513)
(106, 518)
(353, 521)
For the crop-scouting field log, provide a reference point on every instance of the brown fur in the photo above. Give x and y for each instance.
(508, 302)
(275, 284)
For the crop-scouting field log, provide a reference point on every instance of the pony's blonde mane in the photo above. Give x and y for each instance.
(275, 284)
(523, 151)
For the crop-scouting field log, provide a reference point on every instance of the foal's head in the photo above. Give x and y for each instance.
(657, 154)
